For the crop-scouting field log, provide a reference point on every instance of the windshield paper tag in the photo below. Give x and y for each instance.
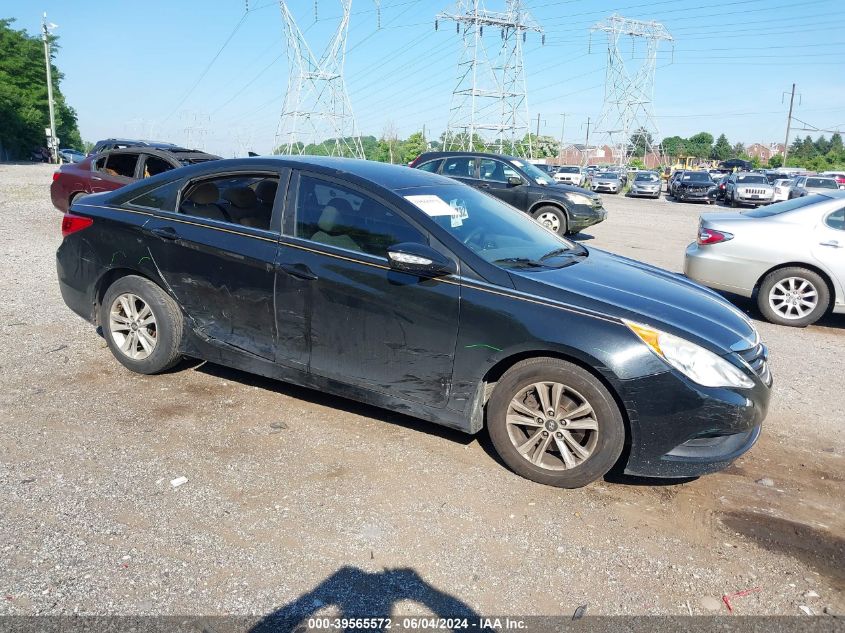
(430, 205)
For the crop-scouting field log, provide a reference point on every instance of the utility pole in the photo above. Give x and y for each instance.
(587, 143)
(51, 137)
(536, 137)
(788, 125)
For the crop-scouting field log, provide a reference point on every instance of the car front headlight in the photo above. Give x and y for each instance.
(693, 361)
(577, 198)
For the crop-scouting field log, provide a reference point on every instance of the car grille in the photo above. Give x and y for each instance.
(696, 189)
(757, 359)
(756, 192)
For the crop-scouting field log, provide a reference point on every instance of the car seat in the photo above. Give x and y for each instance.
(334, 225)
(202, 203)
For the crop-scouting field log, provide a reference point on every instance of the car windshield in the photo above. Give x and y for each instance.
(697, 177)
(752, 179)
(535, 173)
(493, 230)
(783, 207)
(646, 178)
(607, 174)
(569, 170)
(822, 183)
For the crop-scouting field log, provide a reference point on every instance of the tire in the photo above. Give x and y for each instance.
(553, 219)
(774, 303)
(603, 445)
(155, 346)
(732, 201)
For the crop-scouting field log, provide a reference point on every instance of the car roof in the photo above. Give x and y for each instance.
(141, 143)
(389, 176)
(442, 154)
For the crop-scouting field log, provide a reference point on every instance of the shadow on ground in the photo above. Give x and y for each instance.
(354, 593)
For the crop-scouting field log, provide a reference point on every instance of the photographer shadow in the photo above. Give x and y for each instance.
(356, 593)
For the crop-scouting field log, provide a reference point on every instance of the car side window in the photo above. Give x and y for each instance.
(334, 215)
(155, 165)
(459, 167)
(431, 165)
(493, 170)
(161, 198)
(121, 164)
(836, 220)
(243, 199)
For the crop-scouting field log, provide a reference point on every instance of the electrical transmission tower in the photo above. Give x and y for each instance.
(490, 102)
(629, 89)
(317, 109)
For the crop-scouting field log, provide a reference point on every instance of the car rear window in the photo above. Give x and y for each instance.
(822, 183)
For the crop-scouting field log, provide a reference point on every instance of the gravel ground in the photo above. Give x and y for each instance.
(297, 502)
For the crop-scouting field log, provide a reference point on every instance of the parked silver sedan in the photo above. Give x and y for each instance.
(791, 254)
(646, 183)
(608, 181)
(805, 185)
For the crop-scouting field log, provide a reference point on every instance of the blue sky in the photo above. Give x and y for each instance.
(136, 68)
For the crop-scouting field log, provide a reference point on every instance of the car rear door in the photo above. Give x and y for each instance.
(114, 170)
(367, 325)
(216, 250)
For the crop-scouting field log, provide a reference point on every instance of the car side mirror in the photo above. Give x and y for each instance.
(420, 260)
(514, 181)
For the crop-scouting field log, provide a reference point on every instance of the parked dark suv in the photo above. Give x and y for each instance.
(560, 208)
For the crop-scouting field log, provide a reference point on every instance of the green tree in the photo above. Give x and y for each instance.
(700, 145)
(24, 112)
(674, 146)
(738, 150)
(414, 146)
(722, 150)
(836, 143)
(776, 161)
(822, 145)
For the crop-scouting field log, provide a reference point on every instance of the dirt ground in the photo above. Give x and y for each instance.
(299, 503)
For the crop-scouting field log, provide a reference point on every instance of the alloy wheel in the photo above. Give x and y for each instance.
(552, 426)
(132, 325)
(793, 298)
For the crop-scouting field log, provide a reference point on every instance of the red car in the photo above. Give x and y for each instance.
(111, 170)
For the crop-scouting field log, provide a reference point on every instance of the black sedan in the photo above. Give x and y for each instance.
(694, 186)
(560, 208)
(416, 293)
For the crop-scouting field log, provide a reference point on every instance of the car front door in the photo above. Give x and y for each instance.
(493, 178)
(829, 246)
(215, 247)
(370, 326)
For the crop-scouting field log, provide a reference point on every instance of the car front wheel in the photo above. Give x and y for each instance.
(553, 219)
(142, 325)
(793, 296)
(555, 423)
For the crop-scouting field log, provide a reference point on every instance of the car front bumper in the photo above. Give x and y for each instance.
(606, 188)
(681, 429)
(583, 215)
(636, 191)
(695, 196)
(742, 198)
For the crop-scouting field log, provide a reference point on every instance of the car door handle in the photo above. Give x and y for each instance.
(166, 233)
(300, 271)
(832, 243)
(484, 186)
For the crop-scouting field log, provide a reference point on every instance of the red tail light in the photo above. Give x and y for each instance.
(72, 223)
(55, 175)
(414, 162)
(710, 236)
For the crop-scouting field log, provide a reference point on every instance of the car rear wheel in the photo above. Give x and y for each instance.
(555, 423)
(553, 219)
(141, 324)
(793, 296)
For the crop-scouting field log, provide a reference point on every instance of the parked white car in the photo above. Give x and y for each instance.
(782, 188)
(570, 175)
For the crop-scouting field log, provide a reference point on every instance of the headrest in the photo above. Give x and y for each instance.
(206, 193)
(266, 191)
(241, 197)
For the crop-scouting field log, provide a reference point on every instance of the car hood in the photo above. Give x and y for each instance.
(624, 288)
(560, 187)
